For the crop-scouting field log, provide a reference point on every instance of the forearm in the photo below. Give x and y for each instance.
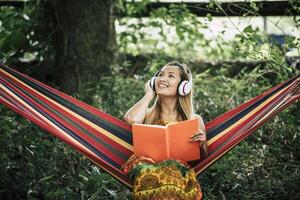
(203, 149)
(203, 143)
(137, 113)
(201, 136)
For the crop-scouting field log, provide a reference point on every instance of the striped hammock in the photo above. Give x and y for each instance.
(107, 141)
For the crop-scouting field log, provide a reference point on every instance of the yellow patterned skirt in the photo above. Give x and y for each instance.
(167, 180)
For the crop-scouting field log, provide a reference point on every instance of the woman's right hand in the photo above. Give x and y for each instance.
(149, 91)
(138, 112)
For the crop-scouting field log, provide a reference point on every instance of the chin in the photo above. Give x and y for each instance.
(164, 94)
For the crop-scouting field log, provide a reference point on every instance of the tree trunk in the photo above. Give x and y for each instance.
(83, 36)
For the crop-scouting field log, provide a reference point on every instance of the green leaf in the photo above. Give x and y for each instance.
(209, 17)
(248, 29)
(46, 178)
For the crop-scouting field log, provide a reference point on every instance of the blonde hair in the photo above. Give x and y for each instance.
(184, 106)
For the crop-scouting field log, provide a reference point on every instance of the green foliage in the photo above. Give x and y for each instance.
(264, 166)
(36, 165)
(174, 31)
(21, 35)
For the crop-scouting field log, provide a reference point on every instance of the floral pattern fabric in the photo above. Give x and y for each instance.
(167, 180)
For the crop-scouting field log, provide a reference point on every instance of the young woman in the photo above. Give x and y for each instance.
(171, 179)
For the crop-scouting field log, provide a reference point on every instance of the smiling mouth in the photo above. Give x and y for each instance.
(162, 85)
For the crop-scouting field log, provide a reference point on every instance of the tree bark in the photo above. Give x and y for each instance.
(84, 39)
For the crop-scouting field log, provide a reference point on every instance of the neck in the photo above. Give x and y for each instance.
(169, 106)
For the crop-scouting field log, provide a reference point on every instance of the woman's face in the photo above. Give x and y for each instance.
(167, 81)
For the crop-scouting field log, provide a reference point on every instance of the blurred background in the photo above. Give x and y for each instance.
(103, 53)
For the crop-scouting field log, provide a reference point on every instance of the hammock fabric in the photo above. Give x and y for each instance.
(107, 141)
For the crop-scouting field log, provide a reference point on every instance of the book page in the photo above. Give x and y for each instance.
(149, 141)
(179, 135)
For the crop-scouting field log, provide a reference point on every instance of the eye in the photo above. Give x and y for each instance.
(172, 76)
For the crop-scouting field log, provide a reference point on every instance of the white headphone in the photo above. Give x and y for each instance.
(184, 87)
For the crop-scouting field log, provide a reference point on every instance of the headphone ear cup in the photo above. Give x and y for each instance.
(152, 83)
(185, 88)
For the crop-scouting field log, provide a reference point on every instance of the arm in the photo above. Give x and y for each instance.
(137, 113)
(201, 136)
(201, 126)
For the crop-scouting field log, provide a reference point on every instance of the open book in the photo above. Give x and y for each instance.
(166, 142)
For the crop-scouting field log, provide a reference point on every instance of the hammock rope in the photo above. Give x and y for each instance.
(107, 141)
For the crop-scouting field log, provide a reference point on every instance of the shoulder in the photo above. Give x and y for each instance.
(199, 117)
(201, 122)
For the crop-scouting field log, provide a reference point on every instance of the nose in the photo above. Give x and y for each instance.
(162, 77)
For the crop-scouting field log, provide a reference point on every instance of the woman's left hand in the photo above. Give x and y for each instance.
(200, 136)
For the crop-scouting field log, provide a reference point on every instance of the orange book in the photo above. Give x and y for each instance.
(166, 142)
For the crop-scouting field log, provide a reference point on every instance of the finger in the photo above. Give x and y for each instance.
(197, 134)
(199, 138)
(195, 138)
(202, 139)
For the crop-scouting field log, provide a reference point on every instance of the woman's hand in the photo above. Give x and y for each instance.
(138, 112)
(200, 136)
(149, 91)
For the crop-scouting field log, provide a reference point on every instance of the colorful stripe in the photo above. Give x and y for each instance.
(270, 103)
(107, 141)
(82, 133)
